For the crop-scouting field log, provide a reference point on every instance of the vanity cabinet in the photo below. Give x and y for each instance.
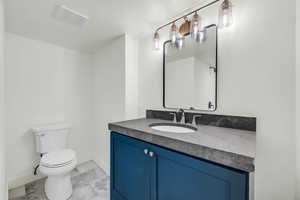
(142, 171)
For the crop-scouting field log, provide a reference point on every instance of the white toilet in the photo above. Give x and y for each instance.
(57, 161)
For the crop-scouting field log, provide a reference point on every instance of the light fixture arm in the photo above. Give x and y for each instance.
(175, 20)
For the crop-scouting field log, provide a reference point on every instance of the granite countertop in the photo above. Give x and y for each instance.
(230, 147)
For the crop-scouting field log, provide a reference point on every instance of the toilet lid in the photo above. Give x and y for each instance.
(58, 158)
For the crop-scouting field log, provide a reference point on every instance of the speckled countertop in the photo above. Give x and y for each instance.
(229, 147)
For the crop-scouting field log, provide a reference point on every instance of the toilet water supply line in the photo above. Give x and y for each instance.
(36, 167)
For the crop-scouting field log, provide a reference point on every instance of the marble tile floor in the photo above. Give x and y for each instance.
(89, 181)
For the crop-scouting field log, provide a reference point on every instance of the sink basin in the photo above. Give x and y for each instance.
(173, 127)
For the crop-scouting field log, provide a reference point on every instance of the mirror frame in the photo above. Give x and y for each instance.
(216, 82)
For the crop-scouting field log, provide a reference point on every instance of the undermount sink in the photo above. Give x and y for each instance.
(173, 127)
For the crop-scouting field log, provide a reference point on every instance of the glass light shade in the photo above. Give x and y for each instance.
(156, 42)
(196, 25)
(201, 36)
(179, 42)
(173, 34)
(225, 14)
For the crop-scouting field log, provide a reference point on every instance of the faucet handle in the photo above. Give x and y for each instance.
(194, 119)
(181, 110)
(174, 116)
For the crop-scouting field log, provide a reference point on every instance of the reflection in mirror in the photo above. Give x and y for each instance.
(190, 74)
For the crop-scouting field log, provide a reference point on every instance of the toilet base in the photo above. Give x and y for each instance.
(58, 187)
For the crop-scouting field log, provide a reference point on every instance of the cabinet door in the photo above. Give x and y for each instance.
(130, 169)
(181, 177)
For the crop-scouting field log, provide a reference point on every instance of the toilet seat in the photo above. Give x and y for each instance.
(58, 158)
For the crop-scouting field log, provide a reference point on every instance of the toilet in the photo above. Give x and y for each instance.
(57, 161)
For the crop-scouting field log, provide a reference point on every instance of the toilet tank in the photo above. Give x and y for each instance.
(51, 137)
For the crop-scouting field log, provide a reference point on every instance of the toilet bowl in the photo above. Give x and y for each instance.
(57, 165)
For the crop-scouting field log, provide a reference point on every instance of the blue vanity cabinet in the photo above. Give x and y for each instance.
(181, 177)
(169, 175)
(130, 169)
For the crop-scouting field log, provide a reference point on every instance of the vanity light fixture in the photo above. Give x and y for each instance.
(225, 14)
(185, 27)
(179, 42)
(194, 27)
(173, 34)
(156, 41)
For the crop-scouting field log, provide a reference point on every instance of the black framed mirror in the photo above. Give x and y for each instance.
(190, 73)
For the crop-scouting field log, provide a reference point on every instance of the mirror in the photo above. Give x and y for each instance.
(190, 73)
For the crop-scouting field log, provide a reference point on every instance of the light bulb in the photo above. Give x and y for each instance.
(173, 34)
(156, 42)
(196, 25)
(225, 14)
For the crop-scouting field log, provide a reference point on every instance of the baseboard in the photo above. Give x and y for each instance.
(17, 192)
(28, 177)
(21, 180)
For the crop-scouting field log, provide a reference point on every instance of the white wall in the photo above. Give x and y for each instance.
(44, 84)
(3, 185)
(150, 90)
(114, 91)
(48, 84)
(255, 78)
(298, 97)
(131, 77)
(108, 95)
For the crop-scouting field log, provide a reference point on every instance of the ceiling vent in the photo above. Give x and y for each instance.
(68, 15)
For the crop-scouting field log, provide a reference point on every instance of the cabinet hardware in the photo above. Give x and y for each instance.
(146, 151)
(151, 154)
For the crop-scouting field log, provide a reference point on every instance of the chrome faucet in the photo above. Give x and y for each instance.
(174, 116)
(182, 115)
(194, 119)
(182, 120)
